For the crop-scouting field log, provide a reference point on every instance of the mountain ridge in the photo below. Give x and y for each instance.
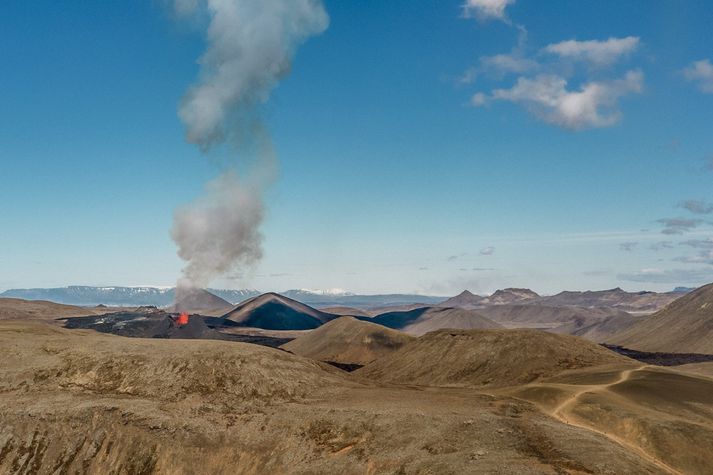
(134, 296)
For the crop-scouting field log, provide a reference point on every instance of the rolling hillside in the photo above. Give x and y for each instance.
(348, 340)
(684, 326)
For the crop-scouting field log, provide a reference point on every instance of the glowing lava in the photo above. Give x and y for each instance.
(182, 319)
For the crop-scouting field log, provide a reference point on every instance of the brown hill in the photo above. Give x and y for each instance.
(684, 326)
(487, 358)
(633, 302)
(601, 330)
(273, 311)
(465, 299)
(348, 340)
(545, 316)
(194, 300)
(701, 369)
(19, 309)
(636, 407)
(595, 324)
(425, 319)
(74, 401)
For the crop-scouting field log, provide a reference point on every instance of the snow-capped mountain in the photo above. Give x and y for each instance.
(295, 293)
(165, 296)
(235, 296)
(117, 296)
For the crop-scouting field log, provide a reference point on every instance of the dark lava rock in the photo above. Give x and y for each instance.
(154, 323)
(660, 359)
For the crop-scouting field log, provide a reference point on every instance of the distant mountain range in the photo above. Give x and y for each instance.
(117, 296)
(163, 297)
(635, 302)
(317, 299)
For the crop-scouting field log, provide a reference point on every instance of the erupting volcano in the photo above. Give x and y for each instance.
(250, 46)
(182, 319)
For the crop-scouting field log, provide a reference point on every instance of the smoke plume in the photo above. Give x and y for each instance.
(250, 46)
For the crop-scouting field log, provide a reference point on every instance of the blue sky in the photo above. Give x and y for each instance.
(410, 158)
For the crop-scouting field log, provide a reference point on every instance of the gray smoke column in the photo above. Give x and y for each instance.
(250, 46)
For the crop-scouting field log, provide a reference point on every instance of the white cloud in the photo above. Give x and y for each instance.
(595, 104)
(478, 99)
(701, 72)
(468, 77)
(507, 63)
(599, 53)
(498, 66)
(487, 251)
(486, 9)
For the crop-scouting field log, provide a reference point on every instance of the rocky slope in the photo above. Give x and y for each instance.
(684, 326)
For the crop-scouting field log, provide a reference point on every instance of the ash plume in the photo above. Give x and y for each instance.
(250, 46)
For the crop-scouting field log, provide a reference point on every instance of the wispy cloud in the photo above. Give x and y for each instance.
(678, 225)
(455, 257)
(487, 251)
(704, 256)
(594, 104)
(701, 73)
(697, 206)
(669, 276)
(499, 66)
(661, 245)
(508, 63)
(698, 243)
(628, 246)
(469, 76)
(708, 164)
(486, 9)
(596, 52)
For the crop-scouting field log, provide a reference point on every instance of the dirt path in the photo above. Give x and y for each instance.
(563, 413)
(560, 411)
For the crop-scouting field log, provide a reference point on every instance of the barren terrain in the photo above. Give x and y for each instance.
(451, 401)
